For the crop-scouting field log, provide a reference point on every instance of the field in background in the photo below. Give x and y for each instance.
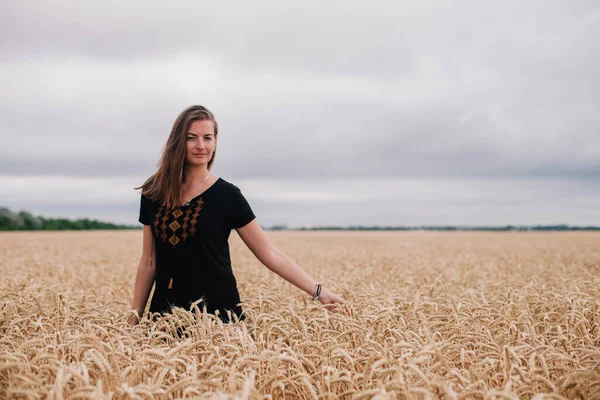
(434, 315)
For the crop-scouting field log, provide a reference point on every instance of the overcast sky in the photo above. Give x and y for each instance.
(330, 112)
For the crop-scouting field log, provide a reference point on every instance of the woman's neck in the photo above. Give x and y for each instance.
(194, 175)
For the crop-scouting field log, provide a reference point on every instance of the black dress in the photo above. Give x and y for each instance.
(192, 250)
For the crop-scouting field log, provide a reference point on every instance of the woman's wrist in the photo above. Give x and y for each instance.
(317, 291)
(324, 294)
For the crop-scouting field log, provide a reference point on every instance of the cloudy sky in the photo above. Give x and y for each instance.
(330, 112)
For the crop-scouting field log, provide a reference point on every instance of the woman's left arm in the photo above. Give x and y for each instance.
(277, 261)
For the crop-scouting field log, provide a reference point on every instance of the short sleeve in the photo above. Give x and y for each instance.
(144, 217)
(240, 212)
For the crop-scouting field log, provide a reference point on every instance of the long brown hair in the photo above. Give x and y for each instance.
(165, 185)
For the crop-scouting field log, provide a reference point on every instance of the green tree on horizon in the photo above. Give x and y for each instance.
(25, 221)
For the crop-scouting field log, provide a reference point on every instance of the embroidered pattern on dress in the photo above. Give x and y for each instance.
(156, 220)
(195, 216)
(185, 225)
(176, 231)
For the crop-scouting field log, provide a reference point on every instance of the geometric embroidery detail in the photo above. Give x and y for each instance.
(195, 216)
(156, 221)
(190, 219)
(174, 225)
(164, 227)
(185, 225)
(173, 240)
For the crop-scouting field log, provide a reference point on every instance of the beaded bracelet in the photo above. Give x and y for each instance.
(317, 292)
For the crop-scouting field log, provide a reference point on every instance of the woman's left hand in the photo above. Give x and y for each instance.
(328, 298)
(133, 320)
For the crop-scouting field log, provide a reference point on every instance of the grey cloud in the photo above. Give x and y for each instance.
(272, 145)
(305, 90)
(379, 38)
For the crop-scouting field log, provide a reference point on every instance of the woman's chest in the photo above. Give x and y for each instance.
(198, 219)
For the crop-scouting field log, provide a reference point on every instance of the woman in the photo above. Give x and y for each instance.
(188, 214)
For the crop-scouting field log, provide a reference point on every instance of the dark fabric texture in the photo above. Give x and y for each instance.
(192, 250)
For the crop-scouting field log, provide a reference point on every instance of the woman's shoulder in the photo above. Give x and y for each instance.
(230, 191)
(149, 201)
(147, 197)
(227, 185)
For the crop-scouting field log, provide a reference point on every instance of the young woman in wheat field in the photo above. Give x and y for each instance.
(188, 214)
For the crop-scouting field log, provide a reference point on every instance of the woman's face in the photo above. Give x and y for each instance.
(201, 142)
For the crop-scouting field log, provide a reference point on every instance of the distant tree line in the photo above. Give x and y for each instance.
(24, 221)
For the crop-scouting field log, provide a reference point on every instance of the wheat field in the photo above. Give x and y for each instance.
(454, 315)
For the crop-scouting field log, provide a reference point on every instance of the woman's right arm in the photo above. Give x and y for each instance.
(145, 275)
